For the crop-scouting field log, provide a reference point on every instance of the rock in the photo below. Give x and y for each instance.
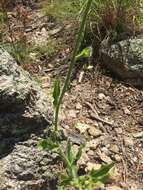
(115, 176)
(90, 166)
(78, 106)
(25, 116)
(91, 153)
(114, 148)
(104, 157)
(94, 132)
(101, 96)
(138, 134)
(72, 113)
(113, 188)
(105, 150)
(119, 130)
(128, 141)
(126, 111)
(84, 159)
(27, 167)
(82, 127)
(118, 158)
(24, 107)
(125, 59)
(55, 31)
(93, 144)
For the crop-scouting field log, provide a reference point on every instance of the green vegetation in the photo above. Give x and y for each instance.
(71, 178)
(19, 51)
(2, 17)
(116, 18)
(46, 49)
(62, 9)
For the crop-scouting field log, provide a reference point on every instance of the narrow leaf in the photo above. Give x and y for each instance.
(65, 181)
(56, 92)
(69, 152)
(102, 171)
(79, 153)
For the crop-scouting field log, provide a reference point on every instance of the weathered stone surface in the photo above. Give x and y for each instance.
(19, 94)
(24, 108)
(125, 59)
(25, 113)
(28, 168)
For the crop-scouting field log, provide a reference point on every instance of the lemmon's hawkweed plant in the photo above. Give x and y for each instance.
(70, 178)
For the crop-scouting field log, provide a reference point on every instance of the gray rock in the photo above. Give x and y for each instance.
(24, 108)
(25, 113)
(28, 168)
(20, 97)
(125, 59)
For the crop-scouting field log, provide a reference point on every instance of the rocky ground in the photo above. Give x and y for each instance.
(98, 109)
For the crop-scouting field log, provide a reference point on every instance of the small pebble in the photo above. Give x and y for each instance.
(114, 148)
(128, 141)
(78, 106)
(82, 127)
(72, 113)
(94, 132)
(101, 96)
(91, 166)
(118, 158)
(119, 130)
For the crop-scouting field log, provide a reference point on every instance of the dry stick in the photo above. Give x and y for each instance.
(95, 115)
(73, 60)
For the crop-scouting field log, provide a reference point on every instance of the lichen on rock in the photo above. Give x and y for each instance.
(125, 59)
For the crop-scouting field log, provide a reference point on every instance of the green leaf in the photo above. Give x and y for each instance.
(69, 153)
(85, 53)
(66, 181)
(42, 144)
(56, 92)
(61, 187)
(79, 153)
(101, 173)
(47, 144)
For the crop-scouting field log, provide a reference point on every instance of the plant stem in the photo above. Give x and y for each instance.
(73, 59)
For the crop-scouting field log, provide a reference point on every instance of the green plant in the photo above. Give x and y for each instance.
(71, 178)
(19, 51)
(117, 18)
(45, 49)
(62, 9)
(73, 59)
(2, 17)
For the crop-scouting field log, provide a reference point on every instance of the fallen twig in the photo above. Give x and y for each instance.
(95, 115)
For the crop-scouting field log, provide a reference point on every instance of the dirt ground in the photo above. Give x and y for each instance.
(97, 109)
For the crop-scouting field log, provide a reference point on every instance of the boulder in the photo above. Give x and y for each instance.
(28, 168)
(24, 108)
(21, 99)
(125, 59)
(26, 115)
